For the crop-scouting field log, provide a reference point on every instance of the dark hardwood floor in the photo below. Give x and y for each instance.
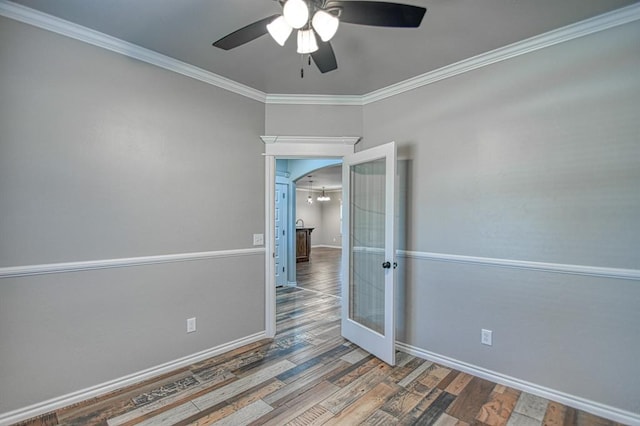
(310, 375)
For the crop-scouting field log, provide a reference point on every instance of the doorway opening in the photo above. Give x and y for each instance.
(318, 229)
(369, 187)
(291, 148)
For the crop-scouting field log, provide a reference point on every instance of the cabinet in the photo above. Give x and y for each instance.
(303, 244)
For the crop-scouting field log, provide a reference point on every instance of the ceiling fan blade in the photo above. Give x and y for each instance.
(245, 34)
(379, 14)
(324, 57)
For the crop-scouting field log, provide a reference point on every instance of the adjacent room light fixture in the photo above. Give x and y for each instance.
(295, 15)
(310, 198)
(323, 197)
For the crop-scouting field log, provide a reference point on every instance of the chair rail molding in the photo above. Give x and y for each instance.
(559, 268)
(88, 265)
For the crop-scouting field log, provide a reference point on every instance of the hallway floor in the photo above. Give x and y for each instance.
(310, 375)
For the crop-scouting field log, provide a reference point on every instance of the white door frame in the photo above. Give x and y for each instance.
(289, 147)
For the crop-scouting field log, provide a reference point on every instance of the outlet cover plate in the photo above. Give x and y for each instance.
(258, 239)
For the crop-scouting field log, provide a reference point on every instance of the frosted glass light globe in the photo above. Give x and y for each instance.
(296, 13)
(325, 24)
(279, 30)
(307, 42)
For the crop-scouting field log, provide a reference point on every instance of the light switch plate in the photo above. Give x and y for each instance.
(486, 337)
(258, 239)
(191, 325)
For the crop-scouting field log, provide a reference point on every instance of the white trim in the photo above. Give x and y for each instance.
(580, 29)
(309, 146)
(341, 100)
(88, 265)
(131, 379)
(269, 258)
(324, 147)
(593, 407)
(594, 271)
(327, 140)
(96, 38)
(589, 26)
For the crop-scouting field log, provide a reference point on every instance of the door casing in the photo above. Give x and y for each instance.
(290, 147)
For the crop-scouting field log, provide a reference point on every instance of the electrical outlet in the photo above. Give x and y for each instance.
(258, 239)
(486, 337)
(191, 325)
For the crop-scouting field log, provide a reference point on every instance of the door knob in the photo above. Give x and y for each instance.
(386, 265)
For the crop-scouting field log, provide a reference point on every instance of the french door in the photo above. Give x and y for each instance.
(368, 250)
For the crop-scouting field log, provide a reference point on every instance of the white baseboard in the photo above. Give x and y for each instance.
(53, 404)
(602, 410)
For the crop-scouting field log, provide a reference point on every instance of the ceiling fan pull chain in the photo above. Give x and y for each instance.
(302, 67)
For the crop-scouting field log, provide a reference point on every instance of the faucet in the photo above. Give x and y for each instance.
(301, 221)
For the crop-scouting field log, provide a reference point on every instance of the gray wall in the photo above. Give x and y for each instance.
(331, 231)
(104, 157)
(313, 120)
(537, 159)
(311, 214)
(324, 217)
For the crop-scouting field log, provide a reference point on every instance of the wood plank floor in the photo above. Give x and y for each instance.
(310, 375)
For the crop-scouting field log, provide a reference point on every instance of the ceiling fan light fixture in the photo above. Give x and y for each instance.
(279, 30)
(325, 24)
(296, 13)
(307, 42)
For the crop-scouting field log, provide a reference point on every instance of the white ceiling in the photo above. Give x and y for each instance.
(369, 58)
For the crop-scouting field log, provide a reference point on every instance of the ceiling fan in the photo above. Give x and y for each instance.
(321, 18)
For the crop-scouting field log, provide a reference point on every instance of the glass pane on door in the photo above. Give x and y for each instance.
(367, 244)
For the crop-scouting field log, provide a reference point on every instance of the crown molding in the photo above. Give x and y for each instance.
(570, 32)
(589, 26)
(60, 26)
(284, 99)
